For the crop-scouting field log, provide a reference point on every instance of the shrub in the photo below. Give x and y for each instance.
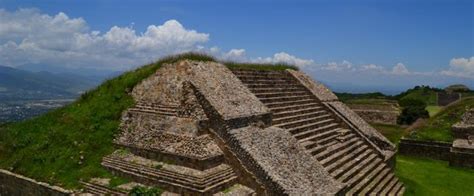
(413, 109)
(143, 191)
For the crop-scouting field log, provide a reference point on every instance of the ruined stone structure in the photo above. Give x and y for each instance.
(463, 145)
(383, 114)
(445, 98)
(199, 128)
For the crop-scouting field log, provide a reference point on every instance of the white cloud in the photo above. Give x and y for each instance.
(334, 66)
(283, 57)
(28, 36)
(372, 67)
(460, 67)
(235, 55)
(400, 69)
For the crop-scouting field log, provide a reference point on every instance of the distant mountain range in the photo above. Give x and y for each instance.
(21, 84)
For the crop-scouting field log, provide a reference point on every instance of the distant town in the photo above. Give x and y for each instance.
(12, 111)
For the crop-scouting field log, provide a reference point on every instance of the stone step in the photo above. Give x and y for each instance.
(383, 184)
(363, 173)
(295, 130)
(389, 187)
(264, 77)
(282, 94)
(290, 103)
(136, 110)
(273, 85)
(341, 153)
(320, 138)
(367, 186)
(269, 81)
(353, 155)
(325, 139)
(171, 176)
(157, 105)
(338, 147)
(338, 169)
(174, 185)
(291, 108)
(304, 121)
(157, 108)
(398, 189)
(313, 131)
(291, 111)
(354, 165)
(287, 98)
(97, 189)
(192, 179)
(278, 89)
(284, 115)
(360, 170)
(259, 73)
(316, 149)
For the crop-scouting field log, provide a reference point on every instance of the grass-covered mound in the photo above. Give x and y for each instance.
(432, 177)
(67, 145)
(392, 132)
(438, 127)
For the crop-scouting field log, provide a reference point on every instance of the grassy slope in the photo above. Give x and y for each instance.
(433, 110)
(432, 177)
(438, 127)
(424, 94)
(49, 148)
(391, 132)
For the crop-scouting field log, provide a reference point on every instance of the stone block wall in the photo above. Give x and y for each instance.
(428, 149)
(379, 116)
(14, 184)
(445, 98)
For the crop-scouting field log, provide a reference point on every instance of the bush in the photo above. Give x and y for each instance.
(413, 109)
(410, 102)
(143, 191)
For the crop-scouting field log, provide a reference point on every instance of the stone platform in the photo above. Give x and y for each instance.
(199, 128)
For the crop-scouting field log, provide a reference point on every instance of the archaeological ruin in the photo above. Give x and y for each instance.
(200, 128)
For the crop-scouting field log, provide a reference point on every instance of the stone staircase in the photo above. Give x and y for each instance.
(347, 156)
(171, 177)
(153, 108)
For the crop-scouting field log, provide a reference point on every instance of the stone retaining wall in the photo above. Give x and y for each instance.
(14, 184)
(378, 116)
(428, 149)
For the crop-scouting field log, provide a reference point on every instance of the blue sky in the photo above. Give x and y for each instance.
(366, 45)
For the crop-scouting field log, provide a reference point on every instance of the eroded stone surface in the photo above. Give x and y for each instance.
(465, 128)
(285, 162)
(220, 86)
(199, 147)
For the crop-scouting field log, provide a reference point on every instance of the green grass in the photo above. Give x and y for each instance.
(49, 148)
(438, 127)
(66, 145)
(432, 177)
(391, 132)
(424, 93)
(433, 109)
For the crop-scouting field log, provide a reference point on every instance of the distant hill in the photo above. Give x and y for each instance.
(20, 84)
(438, 127)
(457, 88)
